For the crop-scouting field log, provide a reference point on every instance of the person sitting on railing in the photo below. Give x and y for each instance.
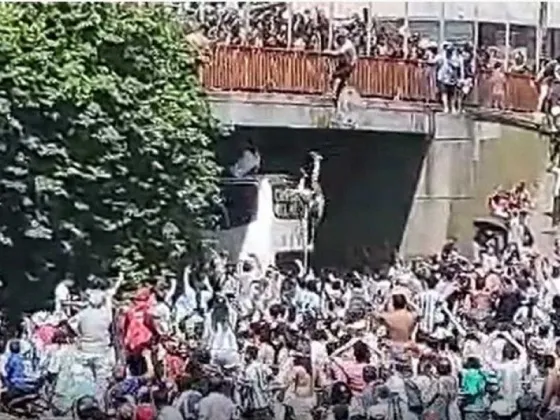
(347, 58)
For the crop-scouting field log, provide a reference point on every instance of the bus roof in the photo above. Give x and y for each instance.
(276, 178)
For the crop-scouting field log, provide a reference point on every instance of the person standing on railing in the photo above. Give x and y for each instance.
(347, 57)
(447, 75)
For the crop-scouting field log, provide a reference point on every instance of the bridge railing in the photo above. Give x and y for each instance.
(247, 69)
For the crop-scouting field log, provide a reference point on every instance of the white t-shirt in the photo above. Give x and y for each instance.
(61, 295)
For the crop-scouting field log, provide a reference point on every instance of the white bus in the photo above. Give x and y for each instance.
(259, 218)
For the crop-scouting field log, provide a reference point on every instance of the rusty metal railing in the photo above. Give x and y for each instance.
(247, 69)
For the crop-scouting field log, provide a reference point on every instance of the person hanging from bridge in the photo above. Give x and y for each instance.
(347, 57)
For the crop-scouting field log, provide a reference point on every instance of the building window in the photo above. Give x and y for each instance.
(384, 32)
(553, 43)
(491, 43)
(522, 48)
(459, 32)
(427, 29)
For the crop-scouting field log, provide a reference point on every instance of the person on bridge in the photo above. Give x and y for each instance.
(548, 75)
(347, 57)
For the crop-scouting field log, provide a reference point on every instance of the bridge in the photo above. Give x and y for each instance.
(398, 172)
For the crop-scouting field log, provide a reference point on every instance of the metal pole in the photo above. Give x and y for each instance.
(541, 33)
(476, 42)
(406, 26)
(369, 27)
(442, 23)
(331, 28)
(306, 237)
(245, 16)
(476, 34)
(290, 28)
(508, 36)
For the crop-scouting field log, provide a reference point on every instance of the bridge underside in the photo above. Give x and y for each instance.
(369, 181)
(398, 176)
(303, 111)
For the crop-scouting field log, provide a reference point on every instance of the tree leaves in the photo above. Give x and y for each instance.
(106, 145)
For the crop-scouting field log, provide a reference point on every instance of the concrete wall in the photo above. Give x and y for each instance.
(467, 160)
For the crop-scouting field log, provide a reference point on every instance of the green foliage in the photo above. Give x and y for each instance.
(106, 143)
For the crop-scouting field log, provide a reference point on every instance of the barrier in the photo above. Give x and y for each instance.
(248, 69)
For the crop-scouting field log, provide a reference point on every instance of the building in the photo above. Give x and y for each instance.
(507, 28)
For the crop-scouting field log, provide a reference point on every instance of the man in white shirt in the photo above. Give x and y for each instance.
(257, 374)
(92, 325)
(62, 296)
(195, 296)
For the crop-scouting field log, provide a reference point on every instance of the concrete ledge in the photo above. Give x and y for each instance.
(307, 111)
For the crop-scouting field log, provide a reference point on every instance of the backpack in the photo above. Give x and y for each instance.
(414, 396)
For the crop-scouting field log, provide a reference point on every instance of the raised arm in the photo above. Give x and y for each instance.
(115, 288)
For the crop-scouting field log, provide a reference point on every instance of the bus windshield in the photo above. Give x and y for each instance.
(239, 204)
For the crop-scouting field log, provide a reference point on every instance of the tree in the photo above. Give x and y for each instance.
(106, 143)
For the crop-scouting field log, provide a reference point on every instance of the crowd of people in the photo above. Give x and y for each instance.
(439, 337)
(267, 25)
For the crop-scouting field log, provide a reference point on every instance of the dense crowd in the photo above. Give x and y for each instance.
(439, 337)
(266, 24)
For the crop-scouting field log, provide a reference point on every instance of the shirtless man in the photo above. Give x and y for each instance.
(347, 57)
(400, 322)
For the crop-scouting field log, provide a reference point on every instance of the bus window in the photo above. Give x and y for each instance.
(241, 202)
(286, 206)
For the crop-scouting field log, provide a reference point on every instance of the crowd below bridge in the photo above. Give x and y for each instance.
(437, 337)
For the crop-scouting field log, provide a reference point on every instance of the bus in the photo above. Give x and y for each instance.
(259, 218)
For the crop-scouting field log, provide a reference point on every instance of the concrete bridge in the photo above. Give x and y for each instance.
(396, 173)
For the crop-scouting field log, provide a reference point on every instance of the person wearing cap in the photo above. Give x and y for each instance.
(347, 58)
(93, 328)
